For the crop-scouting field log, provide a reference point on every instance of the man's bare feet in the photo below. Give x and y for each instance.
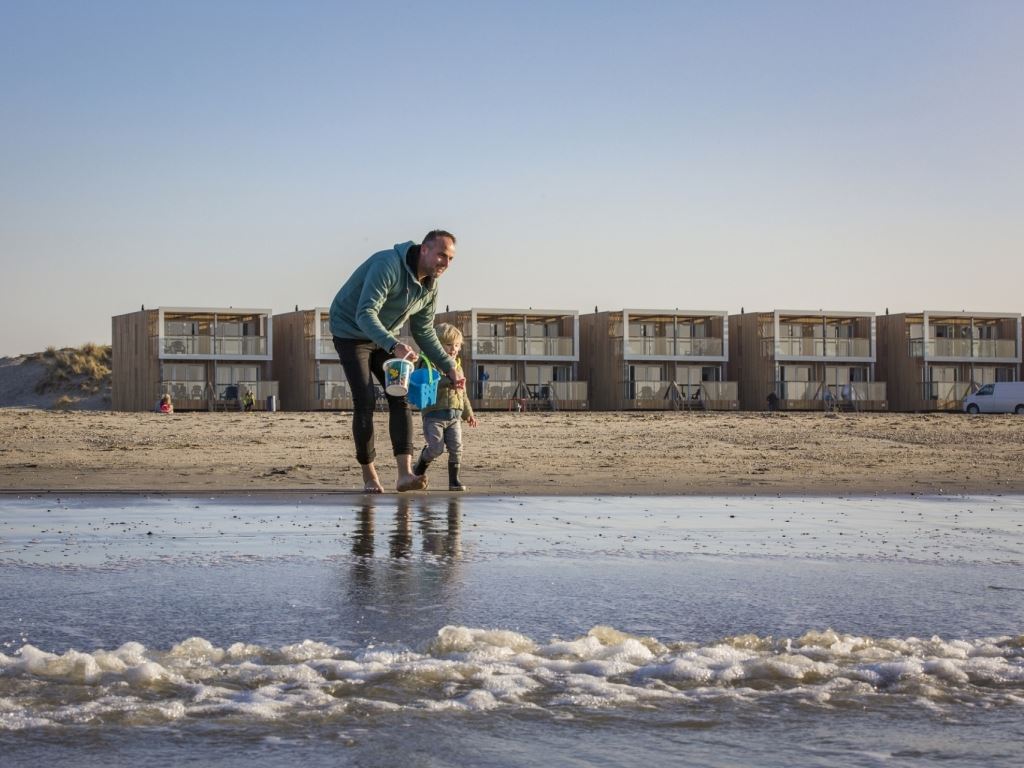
(371, 483)
(411, 482)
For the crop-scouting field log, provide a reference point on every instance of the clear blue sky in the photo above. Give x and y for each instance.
(702, 155)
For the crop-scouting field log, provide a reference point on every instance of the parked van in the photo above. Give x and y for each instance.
(1001, 397)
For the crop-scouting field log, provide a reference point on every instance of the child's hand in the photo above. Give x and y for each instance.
(472, 421)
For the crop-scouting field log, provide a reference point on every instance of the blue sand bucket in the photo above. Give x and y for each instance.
(423, 385)
(396, 376)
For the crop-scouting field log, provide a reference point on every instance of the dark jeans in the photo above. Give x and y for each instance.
(358, 359)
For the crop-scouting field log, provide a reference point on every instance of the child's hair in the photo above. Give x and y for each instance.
(166, 398)
(448, 334)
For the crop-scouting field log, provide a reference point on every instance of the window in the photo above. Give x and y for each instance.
(183, 372)
(986, 390)
(795, 373)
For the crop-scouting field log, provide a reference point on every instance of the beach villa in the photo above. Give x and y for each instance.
(933, 359)
(523, 358)
(204, 358)
(309, 374)
(657, 359)
(806, 360)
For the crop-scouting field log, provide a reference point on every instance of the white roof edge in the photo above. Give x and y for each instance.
(517, 311)
(959, 313)
(225, 310)
(824, 312)
(680, 311)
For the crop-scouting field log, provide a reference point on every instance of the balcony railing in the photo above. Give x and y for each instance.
(261, 390)
(332, 390)
(946, 391)
(674, 347)
(214, 345)
(200, 392)
(564, 391)
(516, 346)
(826, 348)
(504, 391)
(326, 347)
(858, 391)
(667, 390)
(492, 389)
(989, 348)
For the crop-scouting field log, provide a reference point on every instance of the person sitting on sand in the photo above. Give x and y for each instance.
(165, 405)
(248, 401)
(442, 421)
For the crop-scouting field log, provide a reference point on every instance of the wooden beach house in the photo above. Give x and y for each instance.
(521, 358)
(306, 362)
(308, 371)
(806, 360)
(204, 358)
(657, 359)
(933, 359)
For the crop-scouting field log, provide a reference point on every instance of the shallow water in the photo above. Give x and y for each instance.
(483, 631)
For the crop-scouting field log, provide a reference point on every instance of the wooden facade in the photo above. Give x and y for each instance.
(657, 359)
(204, 358)
(309, 374)
(523, 358)
(807, 360)
(933, 359)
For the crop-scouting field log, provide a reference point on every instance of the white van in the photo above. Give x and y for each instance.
(1001, 397)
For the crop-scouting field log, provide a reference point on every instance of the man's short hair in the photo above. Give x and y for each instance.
(434, 234)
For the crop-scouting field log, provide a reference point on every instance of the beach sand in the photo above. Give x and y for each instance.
(577, 453)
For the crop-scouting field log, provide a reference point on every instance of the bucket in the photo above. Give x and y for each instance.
(396, 376)
(423, 385)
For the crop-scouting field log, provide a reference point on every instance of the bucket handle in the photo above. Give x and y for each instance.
(430, 368)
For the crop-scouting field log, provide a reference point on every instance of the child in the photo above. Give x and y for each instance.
(442, 420)
(165, 405)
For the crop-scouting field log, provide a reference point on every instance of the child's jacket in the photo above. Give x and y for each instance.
(449, 398)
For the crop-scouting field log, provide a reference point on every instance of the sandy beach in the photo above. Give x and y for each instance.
(566, 453)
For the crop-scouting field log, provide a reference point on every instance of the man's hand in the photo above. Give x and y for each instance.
(404, 351)
(457, 378)
(472, 421)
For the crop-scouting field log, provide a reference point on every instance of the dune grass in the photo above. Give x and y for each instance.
(83, 369)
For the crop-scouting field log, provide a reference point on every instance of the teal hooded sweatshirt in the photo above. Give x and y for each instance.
(380, 296)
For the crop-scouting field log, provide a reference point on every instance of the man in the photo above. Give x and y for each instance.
(384, 291)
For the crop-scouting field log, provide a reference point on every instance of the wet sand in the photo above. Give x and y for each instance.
(565, 453)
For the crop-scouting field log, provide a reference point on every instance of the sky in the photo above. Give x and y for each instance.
(726, 155)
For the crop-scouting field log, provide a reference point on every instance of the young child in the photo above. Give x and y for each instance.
(442, 421)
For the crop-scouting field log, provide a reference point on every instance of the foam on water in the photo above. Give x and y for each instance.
(479, 670)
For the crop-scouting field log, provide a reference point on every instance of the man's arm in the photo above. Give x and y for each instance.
(422, 326)
(380, 280)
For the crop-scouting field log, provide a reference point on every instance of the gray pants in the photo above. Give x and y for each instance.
(440, 433)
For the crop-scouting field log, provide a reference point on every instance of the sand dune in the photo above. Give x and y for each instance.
(535, 453)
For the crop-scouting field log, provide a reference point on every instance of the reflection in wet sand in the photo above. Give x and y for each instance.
(439, 541)
(402, 582)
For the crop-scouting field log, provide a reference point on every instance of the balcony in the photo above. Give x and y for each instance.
(821, 348)
(668, 347)
(946, 394)
(187, 395)
(554, 395)
(518, 346)
(964, 348)
(655, 391)
(326, 347)
(817, 391)
(238, 346)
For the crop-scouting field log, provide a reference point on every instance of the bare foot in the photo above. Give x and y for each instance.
(411, 483)
(371, 483)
